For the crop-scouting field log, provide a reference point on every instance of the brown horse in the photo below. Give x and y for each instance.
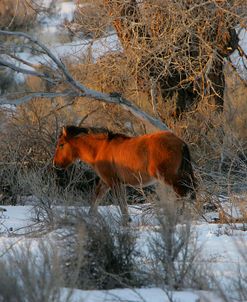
(120, 159)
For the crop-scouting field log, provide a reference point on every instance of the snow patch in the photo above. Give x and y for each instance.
(136, 295)
(240, 63)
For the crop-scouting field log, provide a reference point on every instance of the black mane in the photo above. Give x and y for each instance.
(73, 131)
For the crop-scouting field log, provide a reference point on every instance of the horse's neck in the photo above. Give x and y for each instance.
(88, 148)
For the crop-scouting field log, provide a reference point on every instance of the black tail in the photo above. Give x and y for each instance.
(188, 181)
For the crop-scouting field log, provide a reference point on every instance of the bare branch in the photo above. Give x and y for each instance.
(127, 105)
(77, 89)
(21, 60)
(25, 71)
(58, 62)
(29, 96)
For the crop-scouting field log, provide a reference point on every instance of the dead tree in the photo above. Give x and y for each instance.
(179, 45)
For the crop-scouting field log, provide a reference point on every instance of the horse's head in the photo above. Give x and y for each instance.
(65, 153)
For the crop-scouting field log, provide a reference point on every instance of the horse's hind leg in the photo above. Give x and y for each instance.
(181, 184)
(184, 187)
(124, 209)
(101, 189)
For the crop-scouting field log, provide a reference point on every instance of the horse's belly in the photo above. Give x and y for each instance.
(137, 179)
(151, 182)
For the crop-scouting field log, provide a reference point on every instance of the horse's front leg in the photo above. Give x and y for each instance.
(101, 189)
(121, 199)
(124, 209)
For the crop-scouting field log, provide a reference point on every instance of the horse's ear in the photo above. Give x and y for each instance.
(64, 131)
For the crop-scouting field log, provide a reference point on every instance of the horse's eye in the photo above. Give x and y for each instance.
(61, 146)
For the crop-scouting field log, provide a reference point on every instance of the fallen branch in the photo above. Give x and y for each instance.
(76, 88)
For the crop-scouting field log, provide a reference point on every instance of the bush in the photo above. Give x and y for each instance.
(27, 276)
(101, 252)
(97, 252)
(27, 145)
(174, 248)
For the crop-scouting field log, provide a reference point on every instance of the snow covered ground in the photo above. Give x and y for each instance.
(241, 62)
(221, 247)
(133, 295)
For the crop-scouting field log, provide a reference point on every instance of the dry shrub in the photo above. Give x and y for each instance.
(174, 251)
(110, 73)
(27, 149)
(28, 141)
(16, 14)
(26, 276)
(97, 252)
(219, 151)
(30, 134)
(51, 188)
(32, 128)
(90, 19)
(100, 253)
(10, 187)
(233, 212)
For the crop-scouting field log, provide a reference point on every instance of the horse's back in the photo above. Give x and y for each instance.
(137, 151)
